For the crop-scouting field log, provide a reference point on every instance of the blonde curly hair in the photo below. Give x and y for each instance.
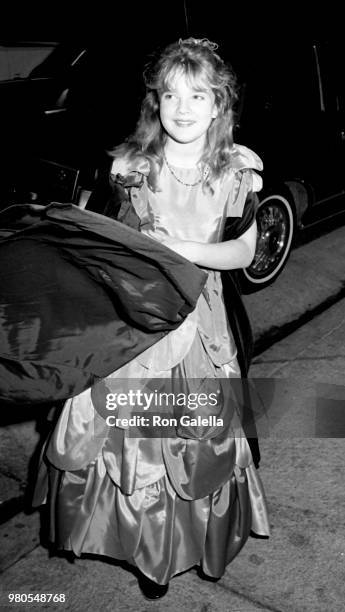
(198, 61)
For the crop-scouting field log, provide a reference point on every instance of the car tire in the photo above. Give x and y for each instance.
(276, 221)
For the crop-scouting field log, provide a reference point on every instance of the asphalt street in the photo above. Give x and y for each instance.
(300, 380)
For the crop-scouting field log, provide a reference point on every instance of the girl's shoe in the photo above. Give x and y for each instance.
(152, 590)
(204, 576)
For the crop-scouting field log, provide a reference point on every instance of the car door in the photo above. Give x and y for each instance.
(329, 124)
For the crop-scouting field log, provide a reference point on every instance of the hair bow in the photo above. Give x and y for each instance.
(203, 42)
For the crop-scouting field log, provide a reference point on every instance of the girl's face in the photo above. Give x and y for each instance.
(187, 110)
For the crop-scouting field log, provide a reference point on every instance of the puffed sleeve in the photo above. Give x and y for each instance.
(243, 179)
(130, 172)
(112, 195)
(236, 226)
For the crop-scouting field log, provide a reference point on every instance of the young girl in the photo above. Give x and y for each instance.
(166, 504)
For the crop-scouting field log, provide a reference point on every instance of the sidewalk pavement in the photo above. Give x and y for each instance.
(301, 567)
(313, 279)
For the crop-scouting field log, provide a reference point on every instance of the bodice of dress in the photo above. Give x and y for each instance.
(183, 212)
(189, 213)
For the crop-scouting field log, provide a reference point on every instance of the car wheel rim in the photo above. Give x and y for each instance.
(275, 229)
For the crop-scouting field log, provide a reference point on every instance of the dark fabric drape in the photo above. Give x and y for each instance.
(80, 296)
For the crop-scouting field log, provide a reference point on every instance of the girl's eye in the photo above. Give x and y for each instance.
(198, 97)
(168, 96)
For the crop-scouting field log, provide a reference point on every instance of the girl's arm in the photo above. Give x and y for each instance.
(228, 255)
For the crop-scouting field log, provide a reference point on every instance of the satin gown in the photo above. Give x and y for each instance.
(164, 504)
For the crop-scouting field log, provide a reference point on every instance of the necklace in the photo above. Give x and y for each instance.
(203, 177)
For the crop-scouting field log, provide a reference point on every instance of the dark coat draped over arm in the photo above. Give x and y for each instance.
(80, 296)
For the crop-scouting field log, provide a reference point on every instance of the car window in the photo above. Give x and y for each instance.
(17, 60)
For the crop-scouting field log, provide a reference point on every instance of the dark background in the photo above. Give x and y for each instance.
(268, 47)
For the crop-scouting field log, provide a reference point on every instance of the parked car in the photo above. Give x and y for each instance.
(70, 109)
(58, 121)
(293, 115)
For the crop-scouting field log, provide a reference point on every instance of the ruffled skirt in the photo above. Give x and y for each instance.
(163, 504)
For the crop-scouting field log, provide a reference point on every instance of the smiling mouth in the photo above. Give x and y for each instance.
(183, 122)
